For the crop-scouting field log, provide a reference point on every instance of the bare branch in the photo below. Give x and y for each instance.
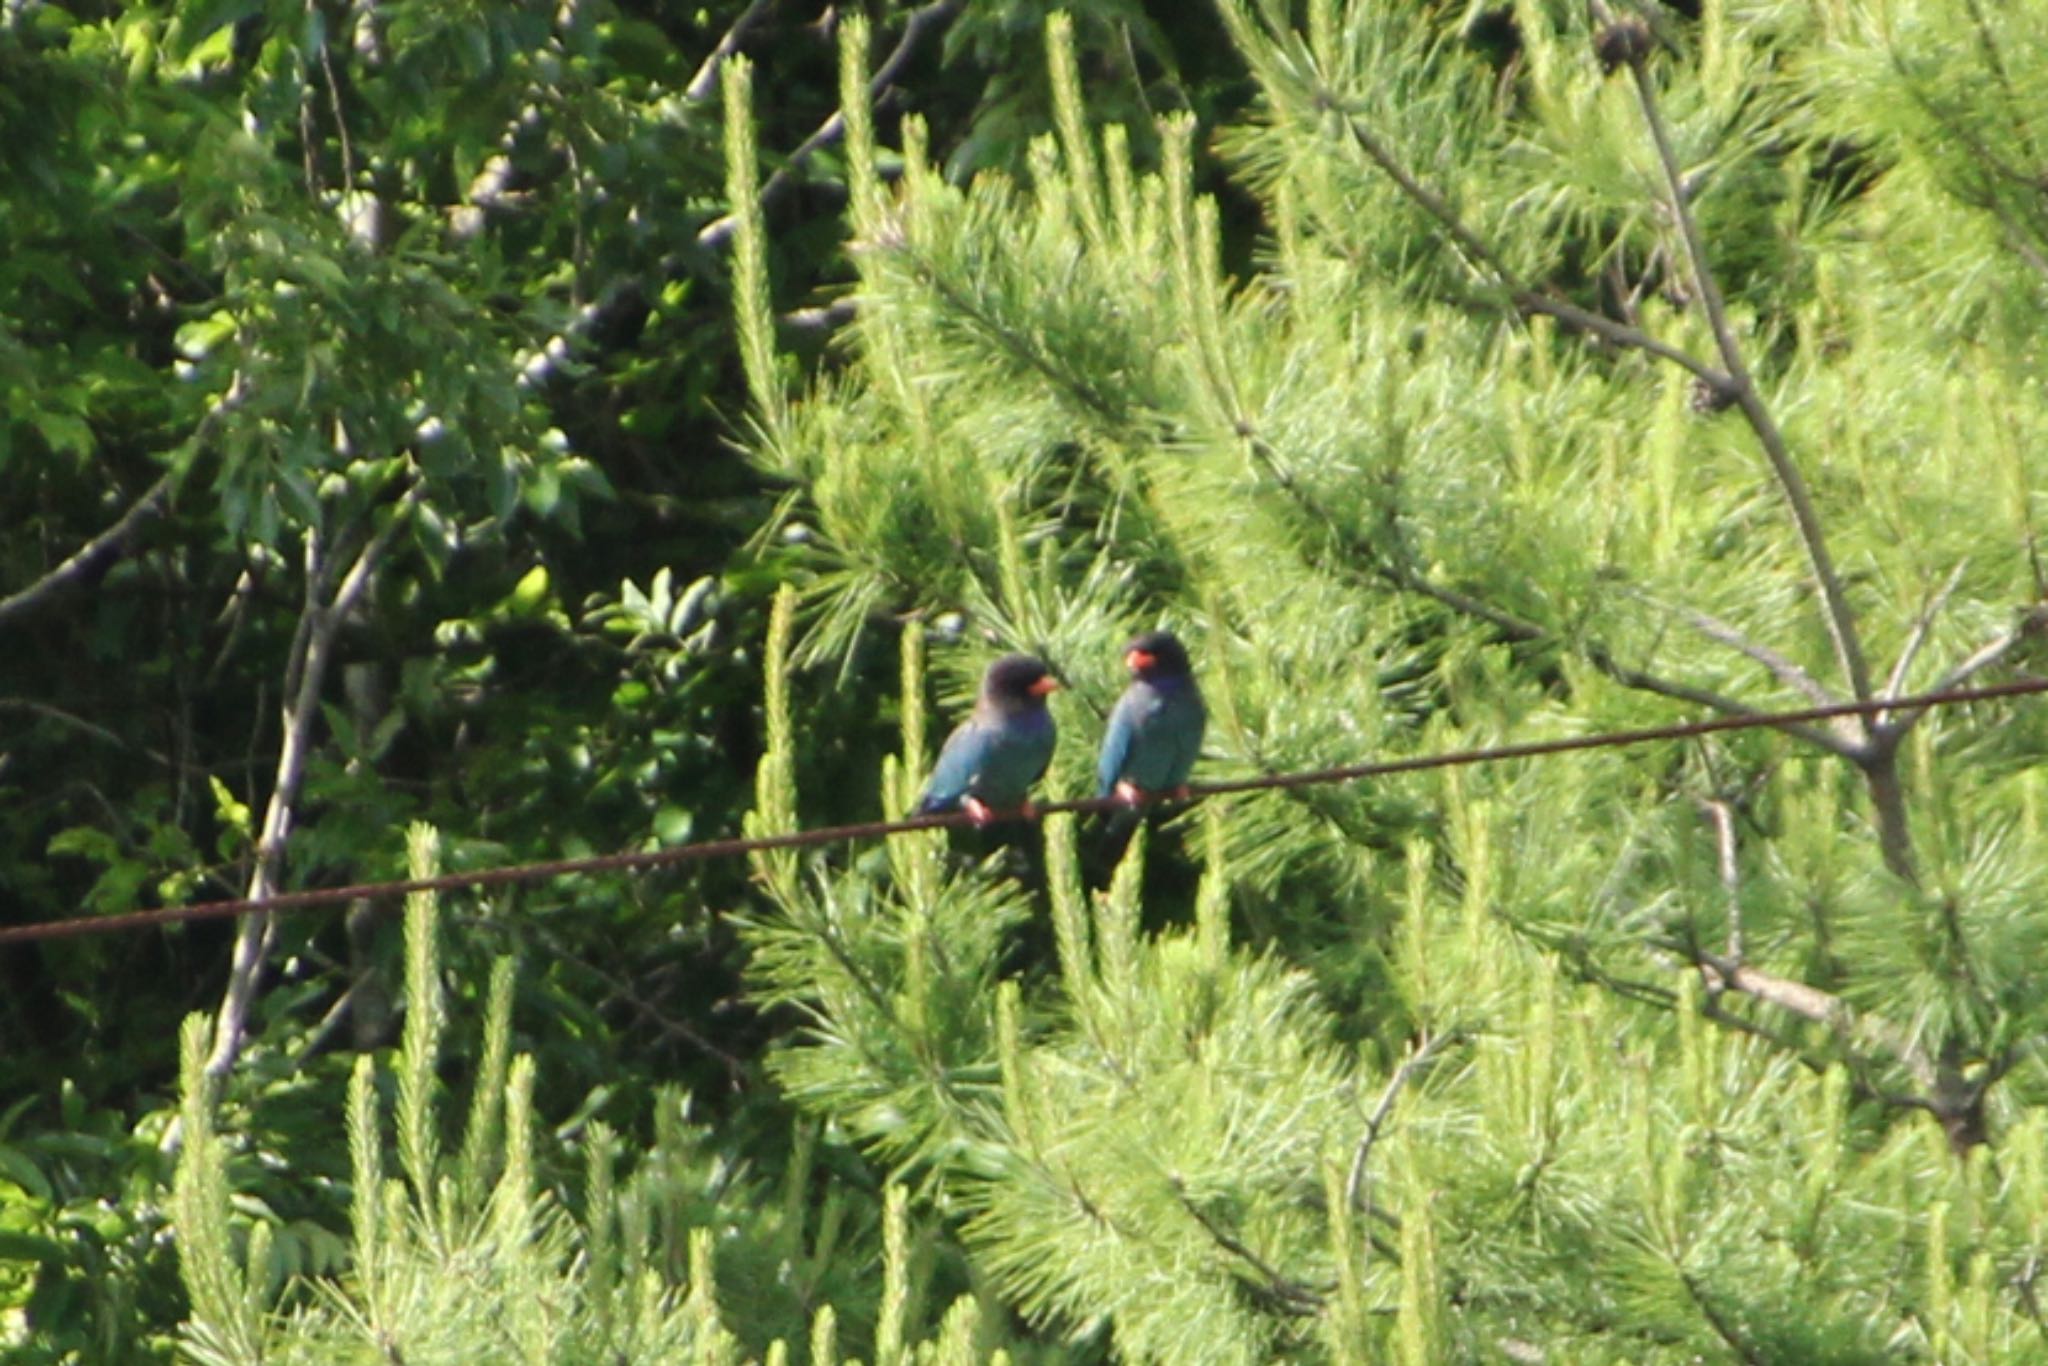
(1723, 817)
(701, 85)
(1781, 668)
(826, 318)
(1821, 1007)
(89, 558)
(306, 673)
(330, 1021)
(932, 16)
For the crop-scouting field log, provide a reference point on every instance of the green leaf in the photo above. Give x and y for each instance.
(232, 813)
(204, 19)
(673, 824)
(86, 842)
(197, 339)
(529, 597)
(15, 1166)
(66, 433)
(31, 1247)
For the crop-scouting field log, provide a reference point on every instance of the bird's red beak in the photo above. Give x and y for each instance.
(1045, 685)
(1139, 660)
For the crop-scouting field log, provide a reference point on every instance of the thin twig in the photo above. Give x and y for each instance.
(58, 714)
(1287, 1293)
(2024, 1284)
(1422, 1058)
(2032, 623)
(1712, 1009)
(348, 155)
(1780, 667)
(1723, 1329)
(1895, 682)
(1723, 818)
(2027, 251)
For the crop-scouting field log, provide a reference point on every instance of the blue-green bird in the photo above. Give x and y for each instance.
(993, 757)
(1155, 732)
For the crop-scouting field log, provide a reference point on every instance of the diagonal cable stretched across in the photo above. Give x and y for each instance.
(800, 839)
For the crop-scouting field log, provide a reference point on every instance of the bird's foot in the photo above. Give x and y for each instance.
(1027, 810)
(1130, 794)
(978, 810)
(1183, 793)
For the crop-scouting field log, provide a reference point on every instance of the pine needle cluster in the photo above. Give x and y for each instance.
(1586, 388)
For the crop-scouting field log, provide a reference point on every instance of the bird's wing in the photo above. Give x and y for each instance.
(965, 751)
(1116, 743)
(1050, 743)
(1191, 736)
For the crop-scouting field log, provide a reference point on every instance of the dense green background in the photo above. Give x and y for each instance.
(414, 410)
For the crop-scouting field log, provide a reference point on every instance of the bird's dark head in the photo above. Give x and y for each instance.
(1017, 681)
(1158, 654)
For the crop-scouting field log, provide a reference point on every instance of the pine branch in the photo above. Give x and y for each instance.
(1284, 1293)
(1516, 629)
(1839, 618)
(1781, 668)
(1020, 348)
(1723, 1329)
(1895, 682)
(1418, 1061)
(2033, 623)
(1525, 297)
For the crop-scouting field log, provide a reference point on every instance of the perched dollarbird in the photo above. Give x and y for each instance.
(993, 757)
(1156, 730)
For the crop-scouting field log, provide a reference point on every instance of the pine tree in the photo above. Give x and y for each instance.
(1624, 373)
(485, 1253)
